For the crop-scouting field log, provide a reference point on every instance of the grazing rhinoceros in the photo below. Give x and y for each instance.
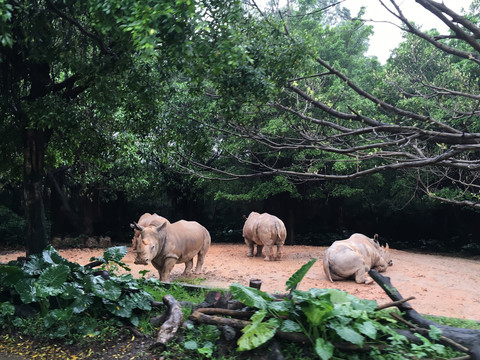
(264, 230)
(354, 257)
(145, 220)
(168, 244)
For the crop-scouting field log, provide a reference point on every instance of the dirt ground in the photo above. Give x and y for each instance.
(442, 285)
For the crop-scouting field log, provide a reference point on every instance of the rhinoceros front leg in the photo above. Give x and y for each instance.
(165, 268)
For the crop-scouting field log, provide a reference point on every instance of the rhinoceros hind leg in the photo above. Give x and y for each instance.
(259, 250)
(269, 253)
(200, 260)
(279, 252)
(188, 267)
(362, 277)
(250, 248)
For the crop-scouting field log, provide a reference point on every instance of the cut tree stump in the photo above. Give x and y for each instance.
(470, 338)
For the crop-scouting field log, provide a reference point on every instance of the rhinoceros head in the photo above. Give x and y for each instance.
(148, 243)
(385, 254)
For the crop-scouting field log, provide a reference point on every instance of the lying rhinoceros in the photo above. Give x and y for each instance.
(145, 220)
(168, 244)
(264, 230)
(354, 257)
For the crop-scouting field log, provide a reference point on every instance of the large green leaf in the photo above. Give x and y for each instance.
(71, 291)
(298, 276)
(251, 296)
(115, 253)
(140, 300)
(10, 275)
(34, 266)
(324, 349)
(350, 335)
(56, 316)
(258, 332)
(105, 289)
(51, 256)
(317, 311)
(82, 303)
(367, 328)
(122, 308)
(290, 326)
(27, 290)
(54, 278)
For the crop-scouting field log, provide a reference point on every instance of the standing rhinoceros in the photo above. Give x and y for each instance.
(145, 220)
(354, 257)
(264, 230)
(168, 244)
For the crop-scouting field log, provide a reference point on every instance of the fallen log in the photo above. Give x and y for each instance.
(174, 320)
(470, 338)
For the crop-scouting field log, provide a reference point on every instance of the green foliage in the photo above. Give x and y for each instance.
(63, 292)
(327, 317)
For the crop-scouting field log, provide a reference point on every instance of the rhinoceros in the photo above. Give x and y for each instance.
(145, 220)
(354, 257)
(172, 243)
(264, 230)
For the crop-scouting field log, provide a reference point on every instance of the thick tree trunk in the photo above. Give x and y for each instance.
(34, 142)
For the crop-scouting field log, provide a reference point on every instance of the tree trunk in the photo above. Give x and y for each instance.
(34, 142)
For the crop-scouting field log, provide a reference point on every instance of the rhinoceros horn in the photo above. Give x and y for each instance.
(136, 226)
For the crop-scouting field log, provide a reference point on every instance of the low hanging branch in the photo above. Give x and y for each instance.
(469, 338)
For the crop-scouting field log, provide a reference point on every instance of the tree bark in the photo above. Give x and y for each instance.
(34, 143)
(470, 338)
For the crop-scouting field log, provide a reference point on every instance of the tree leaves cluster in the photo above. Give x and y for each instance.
(62, 293)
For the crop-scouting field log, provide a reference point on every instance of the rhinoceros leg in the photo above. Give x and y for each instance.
(165, 268)
(259, 250)
(188, 267)
(269, 253)
(200, 260)
(279, 252)
(250, 247)
(362, 277)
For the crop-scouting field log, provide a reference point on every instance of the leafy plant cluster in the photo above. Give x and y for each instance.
(329, 317)
(65, 299)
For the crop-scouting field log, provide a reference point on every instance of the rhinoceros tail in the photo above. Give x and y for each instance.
(281, 233)
(326, 266)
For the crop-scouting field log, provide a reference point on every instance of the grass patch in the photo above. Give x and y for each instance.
(460, 323)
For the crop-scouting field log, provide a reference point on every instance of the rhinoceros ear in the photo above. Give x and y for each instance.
(160, 227)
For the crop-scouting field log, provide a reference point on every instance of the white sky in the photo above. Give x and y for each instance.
(387, 36)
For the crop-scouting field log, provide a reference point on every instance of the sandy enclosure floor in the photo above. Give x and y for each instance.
(441, 285)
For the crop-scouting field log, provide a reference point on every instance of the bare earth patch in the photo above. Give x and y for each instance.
(441, 285)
